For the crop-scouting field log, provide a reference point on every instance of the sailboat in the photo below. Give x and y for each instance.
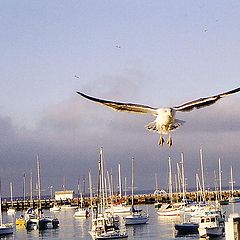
(104, 225)
(11, 210)
(81, 211)
(136, 217)
(170, 209)
(233, 199)
(7, 228)
(119, 208)
(221, 200)
(33, 217)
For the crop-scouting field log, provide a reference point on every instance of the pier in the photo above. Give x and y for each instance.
(21, 205)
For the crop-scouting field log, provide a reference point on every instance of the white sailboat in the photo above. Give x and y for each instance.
(170, 209)
(221, 200)
(136, 217)
(7, 228)
(119, 208)
(34, 219)
(104, 225)
(233, 199)
(81, 211)
(55, 208)
(11, 210)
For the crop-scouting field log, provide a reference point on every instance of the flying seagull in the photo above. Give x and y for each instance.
(165, 121)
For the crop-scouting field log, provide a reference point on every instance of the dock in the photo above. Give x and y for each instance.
(21, 205)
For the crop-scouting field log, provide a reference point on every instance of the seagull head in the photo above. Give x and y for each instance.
(166, 112)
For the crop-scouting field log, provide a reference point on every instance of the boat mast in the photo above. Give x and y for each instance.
(31, 187)
(132, 180)
(102, 177)
(179, 178)
(125, 187)
(11, 193)
(231, 179)
(90, 186)
(1, 202)
(183, 177)
(170, 178)
(220, 178)
(38, 180)
(119, 181)
(202, 171)
(24, 186)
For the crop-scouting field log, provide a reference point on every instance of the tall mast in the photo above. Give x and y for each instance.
(132, 180)
(170, 177)
(125, 187)
(183, 176)
(119, 181)
(0, 202)
(11, 193)
(31, 186)
(220, 178)
(102, 177)
(232, 182)
(24, 186)
(90, 186)
(39, 183)
(202, 171)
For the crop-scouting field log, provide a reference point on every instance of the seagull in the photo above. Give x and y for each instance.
(165, 121)
(76, 76)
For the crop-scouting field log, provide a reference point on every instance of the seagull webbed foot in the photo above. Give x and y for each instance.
(161, 140)
(169, 141)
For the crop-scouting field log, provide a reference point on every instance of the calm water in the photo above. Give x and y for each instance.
(73, 228)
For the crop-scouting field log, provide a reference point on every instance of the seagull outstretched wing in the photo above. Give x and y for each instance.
(203, 102)
(125, 107)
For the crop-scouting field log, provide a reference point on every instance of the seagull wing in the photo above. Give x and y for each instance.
(125, 107)
(204, 102)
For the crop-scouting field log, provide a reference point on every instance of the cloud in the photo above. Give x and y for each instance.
(70, 133)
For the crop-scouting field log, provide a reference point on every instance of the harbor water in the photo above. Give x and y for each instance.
(77, 228)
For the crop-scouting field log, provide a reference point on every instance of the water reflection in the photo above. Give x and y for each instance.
(159, 227)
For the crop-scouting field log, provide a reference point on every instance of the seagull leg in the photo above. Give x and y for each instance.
(169, 141)
(161, 140)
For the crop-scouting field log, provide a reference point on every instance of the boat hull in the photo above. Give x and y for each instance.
(135, 220)
(187, 228)
(211, 232)
(6, 230)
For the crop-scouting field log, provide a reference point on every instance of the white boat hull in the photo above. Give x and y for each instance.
(169, 213)
(119, 209)
(135, 220)
(234, 200)
(81, 213)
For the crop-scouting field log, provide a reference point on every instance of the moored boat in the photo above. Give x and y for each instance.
(7, 228)
(169, 210)
(211, 226)
(186, 228)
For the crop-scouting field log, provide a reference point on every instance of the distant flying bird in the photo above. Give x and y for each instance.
(76, 76)
(165, 121)
(117, 46)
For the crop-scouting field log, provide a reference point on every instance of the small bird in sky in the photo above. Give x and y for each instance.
(117, 46)
(76, 76)
(165, 121)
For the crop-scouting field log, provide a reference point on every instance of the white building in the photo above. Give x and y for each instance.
(64, 195)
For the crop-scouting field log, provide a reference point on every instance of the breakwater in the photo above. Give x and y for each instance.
(21, 205)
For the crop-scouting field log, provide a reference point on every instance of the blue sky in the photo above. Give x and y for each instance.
(170, 52)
